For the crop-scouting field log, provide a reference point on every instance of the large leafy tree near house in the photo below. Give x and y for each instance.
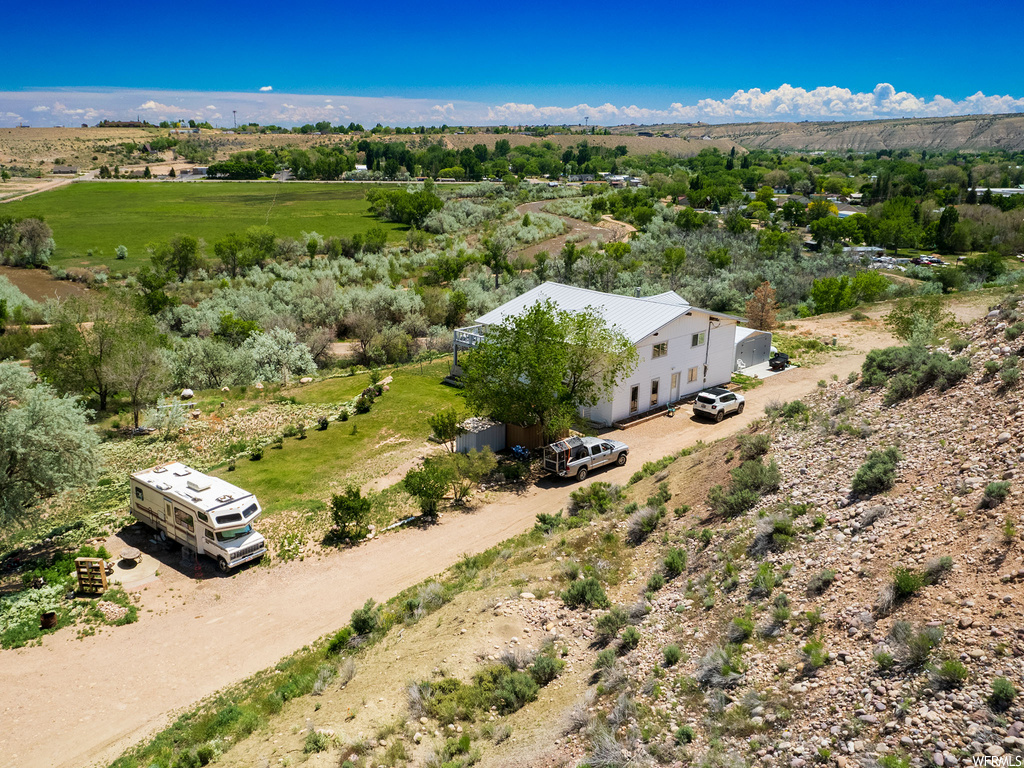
(540, 367)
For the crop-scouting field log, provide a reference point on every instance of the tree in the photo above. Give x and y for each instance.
(495, 257)
(762, 308)
(137, 366)
(428, 485)
(819, 209)
(447, 426)
(179, 257)
(543, 365)
(46, 444)
(76, 352)
(919, 319)
(349, 511)
(945, 233)
(898, 227)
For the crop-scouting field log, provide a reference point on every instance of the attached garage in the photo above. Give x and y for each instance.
(753, 347)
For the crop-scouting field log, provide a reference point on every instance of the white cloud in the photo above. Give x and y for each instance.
(266, 88)
(210, 106)
(156, 106)
(40, 109)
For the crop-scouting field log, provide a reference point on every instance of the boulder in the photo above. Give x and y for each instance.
(187, 394)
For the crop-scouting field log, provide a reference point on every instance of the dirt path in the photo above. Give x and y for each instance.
(72, 702)
(90, 176)
(582, 232)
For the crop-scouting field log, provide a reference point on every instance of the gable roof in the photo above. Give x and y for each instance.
(635, 317)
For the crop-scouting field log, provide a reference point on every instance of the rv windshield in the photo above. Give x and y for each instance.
(234, 533)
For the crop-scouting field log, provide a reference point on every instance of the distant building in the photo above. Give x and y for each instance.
(68, 169)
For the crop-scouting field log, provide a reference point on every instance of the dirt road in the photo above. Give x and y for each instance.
(74, 702)
(581, 232)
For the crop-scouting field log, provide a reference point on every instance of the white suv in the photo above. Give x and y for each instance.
(717, 402)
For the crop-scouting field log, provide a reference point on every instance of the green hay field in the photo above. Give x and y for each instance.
(99, 216)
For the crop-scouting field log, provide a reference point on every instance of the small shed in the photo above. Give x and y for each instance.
(752, 347)
(480, 433)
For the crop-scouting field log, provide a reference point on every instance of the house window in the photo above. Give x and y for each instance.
(660, 350)
(691, 375)
(697, 339)
(634, 399)
(654, 393)
(138, 494)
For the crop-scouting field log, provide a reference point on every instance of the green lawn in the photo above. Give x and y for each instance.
(304, 472)
(99, 216)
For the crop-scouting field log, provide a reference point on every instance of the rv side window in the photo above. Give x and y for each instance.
(209, 534)
(138, 494)
(202, 516)
(183, 519)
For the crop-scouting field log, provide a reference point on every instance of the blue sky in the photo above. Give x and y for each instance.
(478, 62)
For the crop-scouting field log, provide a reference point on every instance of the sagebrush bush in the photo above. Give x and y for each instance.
(630, 639)
(996, 493)
(641, 524)
(753, 446)
(1002, 695)
(877, 473)
(608, 624)
(586, 592)
(910, 370)
(672, 655)
(907, 582)
(920, 645)
(740, 630)
(820, 582)
(948, 674)
(674, 563)
(656, 582)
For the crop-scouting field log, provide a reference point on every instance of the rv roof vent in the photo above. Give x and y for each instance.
(161, 468)
(225, 497)
(183, 472)
(200, 484)
(164, 486)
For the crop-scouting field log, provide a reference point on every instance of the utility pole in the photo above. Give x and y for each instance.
(234, 119)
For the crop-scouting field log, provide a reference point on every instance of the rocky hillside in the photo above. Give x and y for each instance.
(971, 132)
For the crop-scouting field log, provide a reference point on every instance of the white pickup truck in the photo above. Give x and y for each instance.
(576, 456)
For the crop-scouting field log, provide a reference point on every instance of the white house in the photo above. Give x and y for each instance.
(681, 349)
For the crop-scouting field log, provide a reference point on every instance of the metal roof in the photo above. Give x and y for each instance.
(742, 333)
(205, 492)
(634, 317)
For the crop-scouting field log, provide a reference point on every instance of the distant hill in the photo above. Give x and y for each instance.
(970, 132)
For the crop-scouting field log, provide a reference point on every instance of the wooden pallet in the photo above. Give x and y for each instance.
(92, 575)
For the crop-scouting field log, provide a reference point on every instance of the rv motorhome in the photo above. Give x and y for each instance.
(206, 514)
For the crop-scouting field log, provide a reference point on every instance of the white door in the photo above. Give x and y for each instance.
(674, 393)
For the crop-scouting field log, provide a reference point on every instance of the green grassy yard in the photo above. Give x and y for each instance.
(99, 216)
(305, 472)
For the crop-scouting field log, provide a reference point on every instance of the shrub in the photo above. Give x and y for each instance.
(936, 569)
(672, 655)
(641, 524)
(316, 742)
(547, 523)
(364, 620)
(597, 498)
(948, 674)
(586, 592)
(884, 660)
(546, 668)
(322, 423)
(1014, 331)
(684, 735)
(754, 446)
(1003, 694)
(349, 511)
(608, 624)
(630, 639)
(605, 659)
(820, 582)
(718, 668)
(656, 582)
(920, 645)
(906, 582)
(1009, 375)
(774, 534)
(996, 493)
(340, 641)
(991, 367)
(740, 630)
(814, 656)
(674, 563)
(877, 473)
(764, 581)
(814, 618)
(256, 454)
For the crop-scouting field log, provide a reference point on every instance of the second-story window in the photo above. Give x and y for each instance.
(660, 350)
